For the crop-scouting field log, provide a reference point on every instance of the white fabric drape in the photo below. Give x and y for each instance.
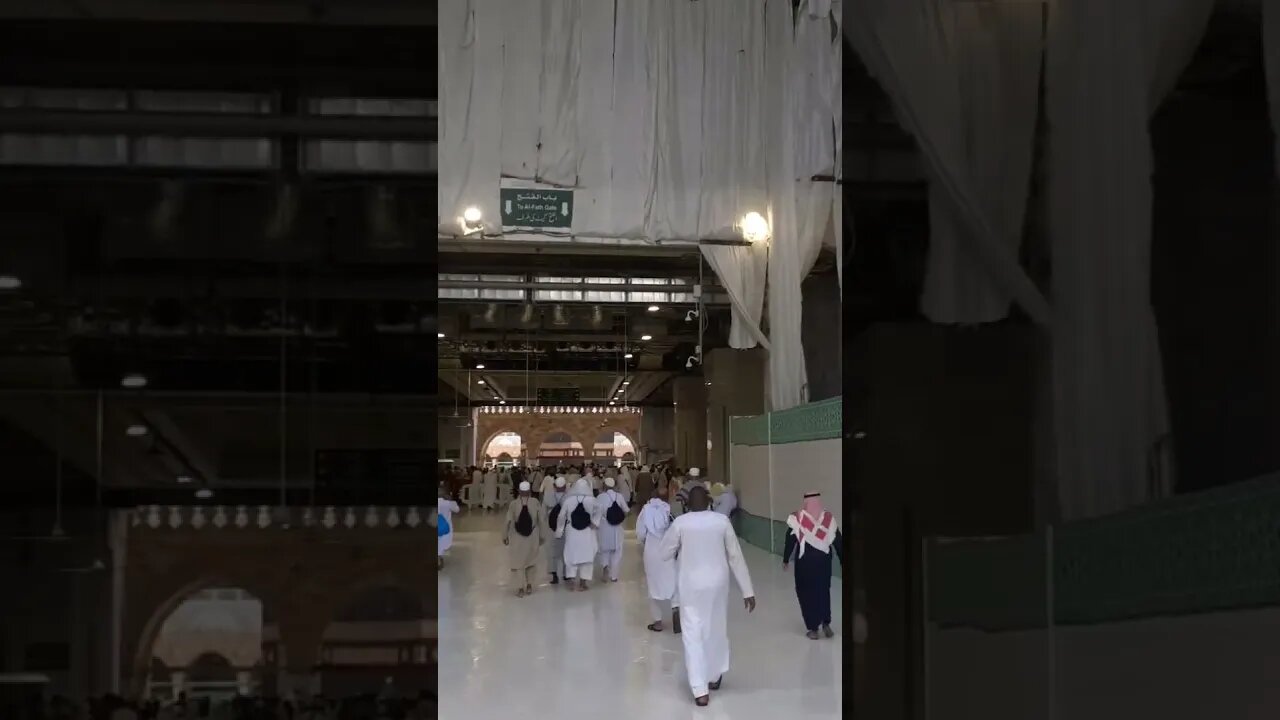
(470, 35)
(635, 69)
(801, 134)
(910, 46)
(1271, 60)
(733, 168)
(995, 51)
(593, 199)
(1108, 67)
(558, 152)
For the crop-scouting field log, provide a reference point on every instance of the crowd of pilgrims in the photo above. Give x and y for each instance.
(575, 518)
(114, 707)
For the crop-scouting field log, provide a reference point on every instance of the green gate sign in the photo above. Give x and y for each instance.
(537, 208)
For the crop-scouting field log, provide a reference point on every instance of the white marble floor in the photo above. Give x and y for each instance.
(579, 656)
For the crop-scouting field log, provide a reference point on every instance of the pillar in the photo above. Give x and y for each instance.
(244, 682)
(736, 388)
(179, 680)
(691, 421)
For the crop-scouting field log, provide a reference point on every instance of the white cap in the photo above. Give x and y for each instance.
(694, 472)
(608, 482)
(524, 486)
(560, 481)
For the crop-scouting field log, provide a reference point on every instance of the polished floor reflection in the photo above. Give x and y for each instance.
(575, 656)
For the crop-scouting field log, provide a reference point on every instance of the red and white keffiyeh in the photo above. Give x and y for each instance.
(813, 525)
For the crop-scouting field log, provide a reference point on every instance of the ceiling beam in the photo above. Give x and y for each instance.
(216, 125)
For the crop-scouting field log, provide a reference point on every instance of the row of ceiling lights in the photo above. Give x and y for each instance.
(651, 308)
(136, 381)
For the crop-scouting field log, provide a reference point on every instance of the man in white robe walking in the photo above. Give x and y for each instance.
(611, 535)
(659, 574)
(580, 543)
(551, 500)
(489, 490)
(709, 551)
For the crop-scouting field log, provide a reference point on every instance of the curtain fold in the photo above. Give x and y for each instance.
(470, 36)
(1108, 67)
(733, 180)
(995, 51)
(910, 47)
(592, 202)
(521, 89)
(558, 149)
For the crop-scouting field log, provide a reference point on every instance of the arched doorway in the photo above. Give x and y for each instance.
(613, 447)
(214, 643)
(504, 449)
(383, 633)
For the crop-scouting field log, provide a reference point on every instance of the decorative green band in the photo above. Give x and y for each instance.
(1210, 551)
(768, 535)
(821, 420)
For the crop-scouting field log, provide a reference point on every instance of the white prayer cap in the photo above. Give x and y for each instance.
(608, 482)
(524, 486)
(694, 472)
(560, 481)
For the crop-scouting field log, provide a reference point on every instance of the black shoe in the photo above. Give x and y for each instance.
(555, 579)
(715, 685)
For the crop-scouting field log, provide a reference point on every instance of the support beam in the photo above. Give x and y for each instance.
(220, 125)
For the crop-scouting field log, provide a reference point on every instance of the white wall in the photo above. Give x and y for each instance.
(771, 480)
(1195, 667)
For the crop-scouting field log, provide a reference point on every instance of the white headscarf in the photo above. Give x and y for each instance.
(581, 487)
(560, 482)
(656, 517)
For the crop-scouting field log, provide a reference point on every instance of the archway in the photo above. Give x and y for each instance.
(611, 446)
(384, 631)
(503, 443)
(212, 643)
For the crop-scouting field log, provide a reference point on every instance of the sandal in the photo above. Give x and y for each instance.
(656, 627)
(716, 685)
(520, 593)
(702, 701)
(812, 634)
(826, 630)
(528, 590)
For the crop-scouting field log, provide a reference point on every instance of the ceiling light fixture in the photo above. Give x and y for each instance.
(480, 366)
(10, 282)
(628, 356)
(653, 308)
(134, 381)
(439, 335)
(184, 479)
(204, 494)
(646, 337)
(479, 382)
(136, 430)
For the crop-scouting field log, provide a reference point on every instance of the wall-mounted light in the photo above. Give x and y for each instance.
(470, 221)
(754, 227)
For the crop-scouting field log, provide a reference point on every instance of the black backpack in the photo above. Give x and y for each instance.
(614, 514)
(524, 523)
(554, 517)
(580, 518)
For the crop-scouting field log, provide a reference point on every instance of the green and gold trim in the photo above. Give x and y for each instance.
(815, 421)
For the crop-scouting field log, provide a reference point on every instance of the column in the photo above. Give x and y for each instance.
(736, 388)
(691, 422)
(244, 682)
(179, 680)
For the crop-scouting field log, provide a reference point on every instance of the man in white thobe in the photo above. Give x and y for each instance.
(625, 486)
(546, 485)
(489, 490)
(611, 536)
(709, 551)
(580, 543)
(551, 499)
(725, 500)
(659, 574)
(592, 480)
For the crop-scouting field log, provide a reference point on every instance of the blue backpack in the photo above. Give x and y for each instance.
(442, 526)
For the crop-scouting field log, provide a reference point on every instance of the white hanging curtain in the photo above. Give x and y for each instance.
(470, 36)
(733, 179)
(1108, 67)
(558, 151)
(995, 50)
(801, 134)
(592, 202)
(635, 69)
(521, 88)
(910, 47)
